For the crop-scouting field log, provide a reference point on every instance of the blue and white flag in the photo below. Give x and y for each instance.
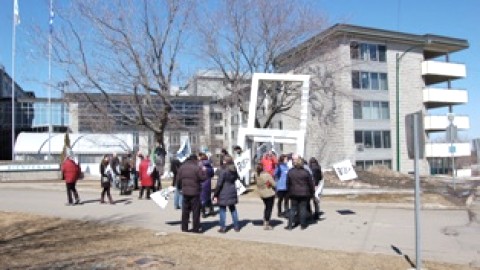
(185, 150)
(16, 13)
(52, 15)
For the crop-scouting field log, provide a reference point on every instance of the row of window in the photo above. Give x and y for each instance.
(371, 110)
(368, 52)
(366, 164)
(369, 80)
(373, 138)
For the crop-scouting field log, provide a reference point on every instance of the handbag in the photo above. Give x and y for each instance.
(104, 179)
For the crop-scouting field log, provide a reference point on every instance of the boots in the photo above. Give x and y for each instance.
(102, 198)
(211, 211)
(267, 226)
(204, 213)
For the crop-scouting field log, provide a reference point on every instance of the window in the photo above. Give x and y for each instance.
(373, 138)
(365, 79)
(358, 136)
(371, 110)
(355, 79)
(382, 56)
(384, 110)
(364, 51)
(194, 138)
(218, 130)
(383, 81)
(386, 139)
(357, 110)
(175, 138)
(367, 139)
(374, 81)
(372, 48)
(368, 52)
(354, 50)
(369, 80)
(377, 139)
(216, 116)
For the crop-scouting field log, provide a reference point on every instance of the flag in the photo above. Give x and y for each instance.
(16, 14)
(52, 15)
(184, 151)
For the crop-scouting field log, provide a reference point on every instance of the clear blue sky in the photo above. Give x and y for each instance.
(458, 19)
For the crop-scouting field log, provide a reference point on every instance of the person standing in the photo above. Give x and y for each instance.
(115, 166)
(159, 161)
(226, 194)
(105, 180)
(190, 175)
(300, 190)
(206, 194)
(138, 160)
(71, 172)
(223, 154)
(265, 188)
(177, 196)
(317, 177)
(281, 185)
(269, 162)
(146, 179)
(124, 175)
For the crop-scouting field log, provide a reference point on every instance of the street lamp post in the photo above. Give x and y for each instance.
(398, 58)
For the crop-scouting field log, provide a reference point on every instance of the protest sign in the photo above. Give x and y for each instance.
(161, 197)
(344, 170)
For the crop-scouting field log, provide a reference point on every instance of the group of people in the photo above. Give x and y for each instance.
(289, 178)
(294, 182)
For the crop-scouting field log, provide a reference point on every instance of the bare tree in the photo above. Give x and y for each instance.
(124, 48)
(250, 37)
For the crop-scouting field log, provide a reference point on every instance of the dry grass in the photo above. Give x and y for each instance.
(36, 242)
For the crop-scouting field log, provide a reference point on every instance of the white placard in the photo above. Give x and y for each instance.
(319, 189)
(243, 164)
(344, 170)
(161, 197)
(240, 187)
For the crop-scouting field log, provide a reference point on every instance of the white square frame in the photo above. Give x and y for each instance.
(266, 134)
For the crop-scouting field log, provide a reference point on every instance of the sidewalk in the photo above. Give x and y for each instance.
(447, 235)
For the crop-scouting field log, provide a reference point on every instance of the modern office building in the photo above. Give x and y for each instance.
(23, 112)
(365, 81)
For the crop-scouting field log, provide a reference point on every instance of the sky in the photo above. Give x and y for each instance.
(450, 18)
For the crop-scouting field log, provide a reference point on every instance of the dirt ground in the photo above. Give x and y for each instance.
(35, 242)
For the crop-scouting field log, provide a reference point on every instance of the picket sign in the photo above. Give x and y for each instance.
(161, 197)
(240, 187)
(344, 170)
(243, 163)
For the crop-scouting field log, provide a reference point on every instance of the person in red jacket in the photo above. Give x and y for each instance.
(146, 178)
(71, 172)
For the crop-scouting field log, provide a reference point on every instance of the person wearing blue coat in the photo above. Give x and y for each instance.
(281, 184)
(226, 194)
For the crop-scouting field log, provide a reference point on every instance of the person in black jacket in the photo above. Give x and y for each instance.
(300, 190)
(226, 194)
(177, 196)
(317, 177)
(105, 180)
(191, 175)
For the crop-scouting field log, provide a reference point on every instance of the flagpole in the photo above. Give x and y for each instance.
(14, 25)
(50, 83)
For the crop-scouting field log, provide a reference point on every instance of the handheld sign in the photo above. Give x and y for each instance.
(344, 170)
(243, 164)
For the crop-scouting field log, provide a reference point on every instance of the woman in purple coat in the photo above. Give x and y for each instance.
(205, 196)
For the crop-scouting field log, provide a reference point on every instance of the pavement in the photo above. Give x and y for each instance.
(447, 235)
